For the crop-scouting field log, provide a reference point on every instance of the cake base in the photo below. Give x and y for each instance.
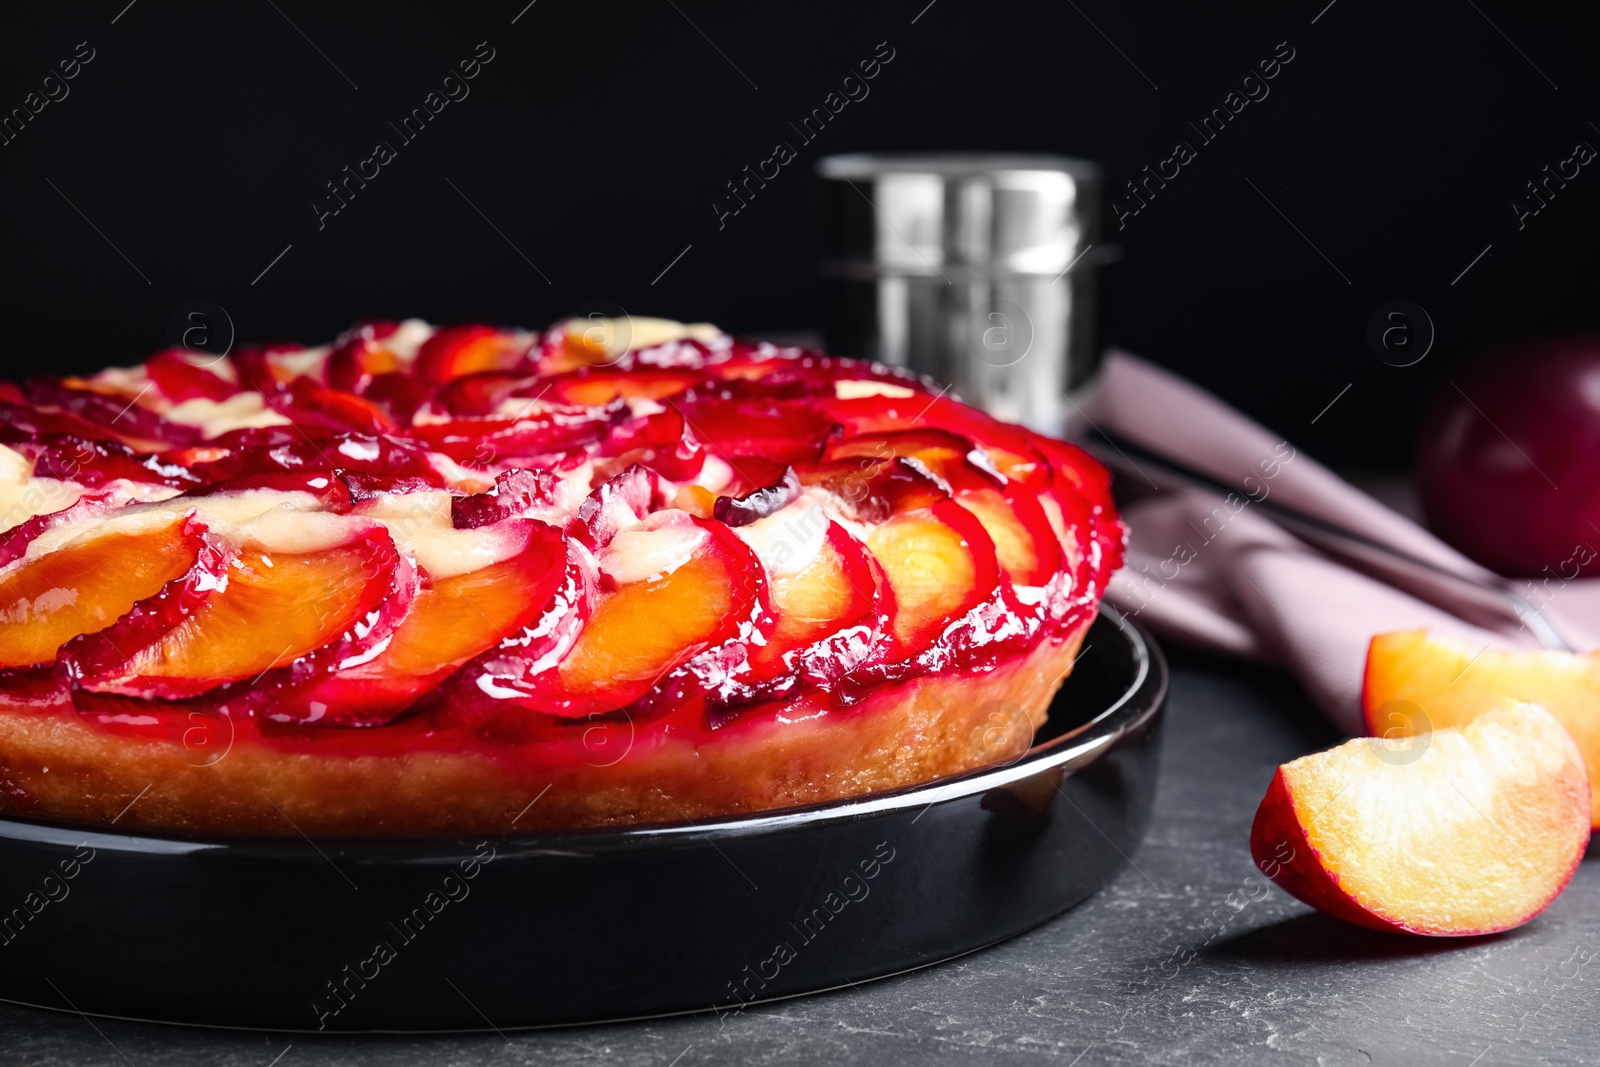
(54, 764)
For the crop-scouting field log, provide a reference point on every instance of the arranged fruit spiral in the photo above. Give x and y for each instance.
(428, 580)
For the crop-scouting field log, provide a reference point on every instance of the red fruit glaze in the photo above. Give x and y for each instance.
(831, 618)
(616, 503)
(514, 492)
(443, 623)
(460, 350)
(14, 542)
(111, 412)
(359, 355)
(779, 489)
(181, 375)
(243, 614)
(669, 541)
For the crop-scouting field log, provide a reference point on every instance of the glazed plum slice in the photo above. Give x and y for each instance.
(1024, 539)
(660, 440)
(1071, 519)
(764, 494)
(490, 393)
(827, 599)
(940, 564)
(659, 612)
(15, 541)
(22, 423)
(1075, 472)
(359, 355)
(755, 426)
(250, 611)
(1025, 543)
(93, 462)
(85, 585)
(543, 429)
(1010, 450)
(285, 449)
(398, 393)
(451, 620)
(668, 589)
(614, 505)
(869, 490)
(320, 410)
(114, 414)
(460, 350)
(269, 368)
(954, 459)
(598, 387)
(181, 375)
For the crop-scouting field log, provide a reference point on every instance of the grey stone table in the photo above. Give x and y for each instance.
(1188, 957)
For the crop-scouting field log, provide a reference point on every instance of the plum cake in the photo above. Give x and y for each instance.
(471, 579)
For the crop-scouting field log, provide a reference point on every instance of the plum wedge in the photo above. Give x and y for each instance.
(940, 564)
(1449, 682)
(1466, 830)
(359, 356)
(669, 589)
(87, 585)
(829, 611)
(655, 619)
(461, 350)
(451, 620)
(250, 611)
(1025, 544)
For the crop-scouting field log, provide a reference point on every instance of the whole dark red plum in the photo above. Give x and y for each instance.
(1508, 459)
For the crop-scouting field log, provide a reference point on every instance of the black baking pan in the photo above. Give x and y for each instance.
(340, 934)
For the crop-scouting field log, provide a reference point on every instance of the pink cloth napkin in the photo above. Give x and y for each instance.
(1214, 572)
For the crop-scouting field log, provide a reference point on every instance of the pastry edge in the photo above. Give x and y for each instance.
(54, 765)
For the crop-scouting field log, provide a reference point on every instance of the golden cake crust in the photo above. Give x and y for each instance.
(52, 764)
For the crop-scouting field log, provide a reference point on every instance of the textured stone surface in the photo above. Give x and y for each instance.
(1137, 975)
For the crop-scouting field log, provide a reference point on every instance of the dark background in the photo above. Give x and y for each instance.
(593, 143)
